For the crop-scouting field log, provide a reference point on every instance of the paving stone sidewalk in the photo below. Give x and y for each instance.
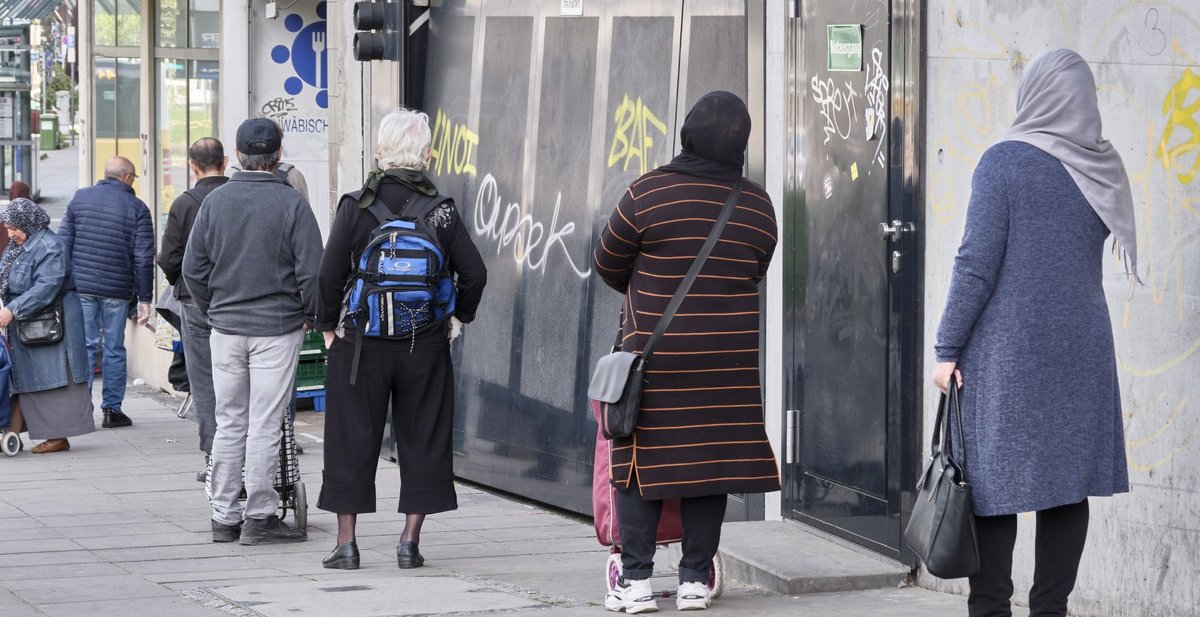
(119, 526)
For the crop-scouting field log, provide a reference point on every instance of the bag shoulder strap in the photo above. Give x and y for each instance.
(693, 271)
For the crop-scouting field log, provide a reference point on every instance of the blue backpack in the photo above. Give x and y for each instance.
(401, 281)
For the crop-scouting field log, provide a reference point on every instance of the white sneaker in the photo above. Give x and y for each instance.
(631, 597)
(692, 597)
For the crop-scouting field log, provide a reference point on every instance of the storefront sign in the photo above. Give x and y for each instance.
(571, 7)
(845, 47)
(291, 86)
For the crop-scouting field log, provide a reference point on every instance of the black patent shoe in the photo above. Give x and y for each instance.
(343, 557)
(407, 555)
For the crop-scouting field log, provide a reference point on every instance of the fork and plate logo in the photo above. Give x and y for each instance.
(307, 55)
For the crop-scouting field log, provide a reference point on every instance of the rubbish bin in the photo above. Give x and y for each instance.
(49, 133)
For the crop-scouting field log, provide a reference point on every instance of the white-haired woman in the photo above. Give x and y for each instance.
(413, 374)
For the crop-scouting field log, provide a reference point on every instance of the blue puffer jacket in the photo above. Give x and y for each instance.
(110, 238)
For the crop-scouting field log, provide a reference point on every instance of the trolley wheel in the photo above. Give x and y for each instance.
(10, 443)
(301, 505)
(612, 571)
(716, 577)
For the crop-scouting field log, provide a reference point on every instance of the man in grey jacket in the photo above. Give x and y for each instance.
(251, 266)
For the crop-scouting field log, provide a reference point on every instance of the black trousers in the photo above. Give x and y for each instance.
(637, 520)
(419, 386)
(1058, 547)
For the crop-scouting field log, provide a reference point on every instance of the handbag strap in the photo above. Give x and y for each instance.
(693, 271)
(950, 410)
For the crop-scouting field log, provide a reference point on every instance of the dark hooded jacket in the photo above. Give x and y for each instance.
(700, 430)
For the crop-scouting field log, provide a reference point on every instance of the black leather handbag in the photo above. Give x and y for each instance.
(615, 392)
(941, 530)
(45, 327)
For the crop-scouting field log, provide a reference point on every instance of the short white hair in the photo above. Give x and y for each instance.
(404, 137)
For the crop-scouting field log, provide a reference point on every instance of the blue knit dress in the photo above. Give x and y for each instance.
(1027, 321)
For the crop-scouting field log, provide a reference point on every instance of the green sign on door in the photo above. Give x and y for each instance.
(845, 47)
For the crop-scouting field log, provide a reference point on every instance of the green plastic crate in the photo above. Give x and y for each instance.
(310, 373)
(313, 341)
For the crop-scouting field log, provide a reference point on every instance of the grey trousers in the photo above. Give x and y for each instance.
(252, 378)
(195, 333)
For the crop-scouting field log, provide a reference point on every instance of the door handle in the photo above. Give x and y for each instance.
(895, 231)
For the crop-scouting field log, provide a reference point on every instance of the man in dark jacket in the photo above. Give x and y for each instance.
(108, 233)
(207, 160)
(251, 266)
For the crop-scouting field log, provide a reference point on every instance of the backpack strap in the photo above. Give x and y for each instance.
(195, 198)
(281, 171)
(420, 205)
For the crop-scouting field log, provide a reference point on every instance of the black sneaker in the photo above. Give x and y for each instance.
(270, 530)
(113, 418)
(225, 533)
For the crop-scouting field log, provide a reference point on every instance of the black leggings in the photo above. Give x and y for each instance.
(1061, 534)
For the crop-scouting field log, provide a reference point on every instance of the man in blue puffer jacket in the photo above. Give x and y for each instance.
(110, 238)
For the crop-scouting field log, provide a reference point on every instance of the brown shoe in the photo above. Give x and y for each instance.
(52, 445)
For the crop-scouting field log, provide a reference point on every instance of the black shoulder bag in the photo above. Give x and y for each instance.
(941, 530)
(44, 327)
(615, 391)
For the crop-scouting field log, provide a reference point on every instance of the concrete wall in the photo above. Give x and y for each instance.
(1143, 553)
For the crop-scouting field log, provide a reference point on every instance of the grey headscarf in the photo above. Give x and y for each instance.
(1057, 112)
(29, 218)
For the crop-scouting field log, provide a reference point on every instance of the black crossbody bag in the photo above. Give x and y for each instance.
(44, 327)
(615, 391)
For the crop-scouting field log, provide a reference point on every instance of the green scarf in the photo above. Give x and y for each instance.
(411, 178)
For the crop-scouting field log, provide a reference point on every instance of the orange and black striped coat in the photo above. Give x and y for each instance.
(700, 430)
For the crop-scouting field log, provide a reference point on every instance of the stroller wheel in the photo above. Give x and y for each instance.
(301, 505)
(612, 571)
(716, 577)
(10, 443)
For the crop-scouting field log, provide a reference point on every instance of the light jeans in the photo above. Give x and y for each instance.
(109, 315)
(253, 378)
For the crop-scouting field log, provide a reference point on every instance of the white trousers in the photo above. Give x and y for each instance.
(253, 378)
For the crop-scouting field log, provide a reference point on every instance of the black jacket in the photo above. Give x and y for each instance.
(179, 227)
(350, 234)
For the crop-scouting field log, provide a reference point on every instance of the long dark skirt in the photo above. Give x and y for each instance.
(419, 386)
(61, 412)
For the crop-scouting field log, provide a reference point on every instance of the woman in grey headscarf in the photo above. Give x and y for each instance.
(50, 380)
(1027, 336)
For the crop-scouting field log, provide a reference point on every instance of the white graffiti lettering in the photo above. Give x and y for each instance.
(519, 229)
(837, 107)
(876, 93)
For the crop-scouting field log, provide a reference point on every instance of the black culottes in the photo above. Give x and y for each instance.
(419, 385)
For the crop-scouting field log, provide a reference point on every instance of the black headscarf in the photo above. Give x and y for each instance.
(714, 136)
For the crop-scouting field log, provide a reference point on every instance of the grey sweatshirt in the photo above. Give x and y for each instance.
(253, 257)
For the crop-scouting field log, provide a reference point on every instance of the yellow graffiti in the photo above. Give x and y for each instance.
(453, 147)
(1182, 108)
(634, 133)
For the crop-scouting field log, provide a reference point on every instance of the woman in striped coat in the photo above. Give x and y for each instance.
(700, 432)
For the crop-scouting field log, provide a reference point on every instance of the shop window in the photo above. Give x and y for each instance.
(189, 23)
(116, 110)
(187, 111)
